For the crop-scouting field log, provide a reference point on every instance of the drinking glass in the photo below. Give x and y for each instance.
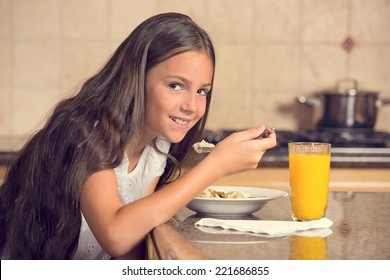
(309, 167)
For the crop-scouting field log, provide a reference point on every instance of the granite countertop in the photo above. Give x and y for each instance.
(361, 230)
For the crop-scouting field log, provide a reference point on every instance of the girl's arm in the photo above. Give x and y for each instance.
(120, 228)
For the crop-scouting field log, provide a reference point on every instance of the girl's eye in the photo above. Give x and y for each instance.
(203, 92)
(175, 86)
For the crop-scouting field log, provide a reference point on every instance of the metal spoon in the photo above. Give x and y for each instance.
(204, 147)
(267, 132)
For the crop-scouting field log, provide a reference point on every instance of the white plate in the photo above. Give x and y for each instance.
(234, 206)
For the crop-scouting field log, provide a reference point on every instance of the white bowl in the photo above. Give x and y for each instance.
(234, 206)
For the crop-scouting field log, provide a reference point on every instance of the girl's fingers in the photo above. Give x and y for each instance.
(250, 134)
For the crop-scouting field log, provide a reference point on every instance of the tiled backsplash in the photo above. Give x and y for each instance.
(268, 53)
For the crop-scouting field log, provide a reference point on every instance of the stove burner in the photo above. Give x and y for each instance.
(347, 138)
(350, 147)
(343, 130)
(350, 138)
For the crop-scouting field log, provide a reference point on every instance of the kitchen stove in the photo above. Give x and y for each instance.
(347, 137)
(350, 147)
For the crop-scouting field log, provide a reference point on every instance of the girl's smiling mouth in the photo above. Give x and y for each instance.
(179, 121)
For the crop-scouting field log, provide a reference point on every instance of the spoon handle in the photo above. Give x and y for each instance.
(267, 132)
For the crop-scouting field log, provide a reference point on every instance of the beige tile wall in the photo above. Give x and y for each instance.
(268, 52)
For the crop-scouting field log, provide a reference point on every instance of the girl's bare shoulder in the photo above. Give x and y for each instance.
(101, 178)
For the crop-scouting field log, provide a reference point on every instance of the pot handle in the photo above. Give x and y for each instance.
(312, 101)
(347, 85)
(382, 102)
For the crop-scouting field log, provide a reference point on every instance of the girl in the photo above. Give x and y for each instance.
(85, 185)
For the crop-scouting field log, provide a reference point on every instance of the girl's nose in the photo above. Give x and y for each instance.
(189, 103)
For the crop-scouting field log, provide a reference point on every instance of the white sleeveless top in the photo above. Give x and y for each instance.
(131, 186)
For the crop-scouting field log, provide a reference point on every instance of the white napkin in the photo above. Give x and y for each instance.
(268, 228)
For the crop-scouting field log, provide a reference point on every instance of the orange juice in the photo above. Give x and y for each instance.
(309, 181)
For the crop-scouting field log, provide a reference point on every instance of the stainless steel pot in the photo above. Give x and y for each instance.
(347, 107)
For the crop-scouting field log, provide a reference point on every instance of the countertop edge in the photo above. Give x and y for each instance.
(171, 245)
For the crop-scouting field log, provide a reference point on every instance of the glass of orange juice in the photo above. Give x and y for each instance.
(309, 166)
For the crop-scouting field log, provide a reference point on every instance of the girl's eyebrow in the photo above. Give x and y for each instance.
(186, 81)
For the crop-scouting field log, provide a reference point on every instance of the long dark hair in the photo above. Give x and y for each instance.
(40, 214)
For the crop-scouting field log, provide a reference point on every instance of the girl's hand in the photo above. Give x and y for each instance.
(242, 150)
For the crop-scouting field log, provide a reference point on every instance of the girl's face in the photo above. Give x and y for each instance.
(176, 91)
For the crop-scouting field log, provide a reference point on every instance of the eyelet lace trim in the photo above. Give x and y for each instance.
(91, 249)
